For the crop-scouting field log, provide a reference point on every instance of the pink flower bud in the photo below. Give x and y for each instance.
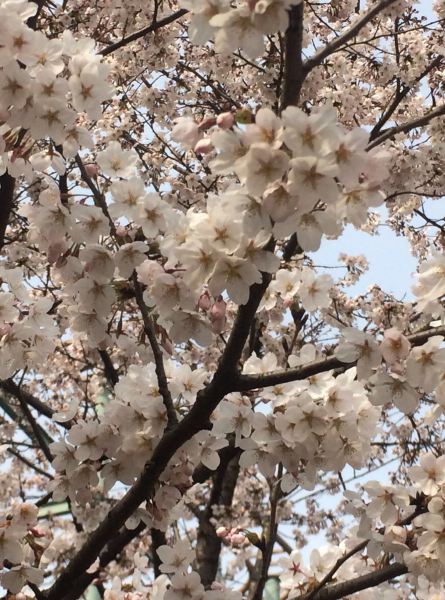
(185, 131)
(204, 146)
(225, 120)
(5, 329)
(54, 252)
(92, 170)
(217, 315)
(222, 532)
(37, 532)
(207, 123)
(237, 539)
(205, 302)
(103, 345)
(121, 231)
(216, 585)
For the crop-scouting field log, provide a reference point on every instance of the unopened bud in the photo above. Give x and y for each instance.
(225, 120)
(204, 146)
(222, 532)
(92, 170)
(207, 123)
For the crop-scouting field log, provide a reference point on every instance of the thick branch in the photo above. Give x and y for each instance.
(346, 588)
(252, 382)
(208, 546)
(293, 63)
(111, 552)
(111, 374)
(229, 362)
(330, 574)
(7, 185)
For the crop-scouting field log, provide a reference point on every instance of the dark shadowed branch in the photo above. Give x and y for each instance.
(293, 61)
(346, 588)
(7, 185)
(408, 126)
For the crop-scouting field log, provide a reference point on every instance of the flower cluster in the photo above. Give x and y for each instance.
(241, 26)
(19, 549)
(44, 84)
(27, 331)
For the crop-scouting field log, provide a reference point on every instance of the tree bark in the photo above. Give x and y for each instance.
(7, 185)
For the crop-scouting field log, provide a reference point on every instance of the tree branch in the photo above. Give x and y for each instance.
(208, 546)
(43, 409)
(157, 354)
(293, 62)
(346, 588)
(252, 382)
(7, 185)
(338, 42)
(400, 95)
(330, 574)
(408, 126)
(143, 32)
(111, 374)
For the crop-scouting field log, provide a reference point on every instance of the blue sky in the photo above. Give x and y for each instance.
(391, 264)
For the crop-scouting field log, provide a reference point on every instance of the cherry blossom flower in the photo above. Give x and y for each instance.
(115, 162)
(360, 347)
(430, 474)
(176, 558)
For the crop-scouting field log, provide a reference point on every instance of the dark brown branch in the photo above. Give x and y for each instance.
(229, 363)
(268, 539)
(346, 588)
(224, 381)
(29, 464)
(111, 374)
(143, 32)
(111, 552)
(39, 434)
(43, 409)
(7, 185)
(293, 62)
(194, 421)
(208, 546)
(330, 574)
(157, 540)
(157, 355)
(399, 96)
(408, 126)
(252, 382)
